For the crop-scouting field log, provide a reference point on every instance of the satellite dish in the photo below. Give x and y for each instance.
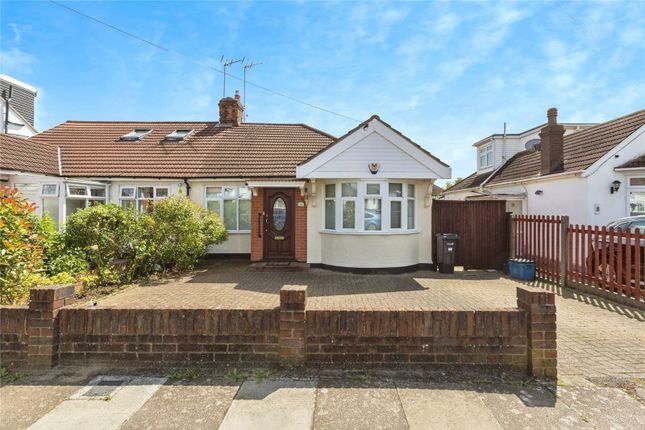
(532, 144)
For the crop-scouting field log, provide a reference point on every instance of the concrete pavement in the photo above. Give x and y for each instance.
(329, 400)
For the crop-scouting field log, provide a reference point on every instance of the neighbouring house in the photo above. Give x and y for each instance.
(592, 173)
(285, 192)
(17, 107)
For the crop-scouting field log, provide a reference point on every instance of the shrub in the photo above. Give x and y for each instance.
(175, 235)
(21, 251)
(102, 233)
(59, 258)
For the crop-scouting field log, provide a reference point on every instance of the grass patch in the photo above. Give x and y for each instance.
(237, 375)
(260, 377)
(8, 377)
(182, 374)
(358, 379)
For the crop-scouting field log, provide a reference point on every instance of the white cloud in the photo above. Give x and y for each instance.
(16, 61)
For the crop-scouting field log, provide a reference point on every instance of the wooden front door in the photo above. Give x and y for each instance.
(279, 237)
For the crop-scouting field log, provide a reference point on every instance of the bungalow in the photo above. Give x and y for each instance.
(592, 173)
(286, 192)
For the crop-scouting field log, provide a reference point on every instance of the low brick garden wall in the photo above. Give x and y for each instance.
(50, 331)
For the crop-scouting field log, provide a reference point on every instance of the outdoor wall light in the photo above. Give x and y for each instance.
(539, 192)
(615, 186)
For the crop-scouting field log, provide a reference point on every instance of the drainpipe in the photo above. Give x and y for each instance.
(187, 187)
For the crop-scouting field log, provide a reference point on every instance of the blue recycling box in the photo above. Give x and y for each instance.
(522, 269)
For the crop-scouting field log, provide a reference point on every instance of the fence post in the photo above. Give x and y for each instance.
(511, 236)
(564, 247)
(541, 327)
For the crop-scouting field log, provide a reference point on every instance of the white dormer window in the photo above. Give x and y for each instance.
(136, 134)
(178, 134)
(486, 156)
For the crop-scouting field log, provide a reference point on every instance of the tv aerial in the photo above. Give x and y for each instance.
(227, 64)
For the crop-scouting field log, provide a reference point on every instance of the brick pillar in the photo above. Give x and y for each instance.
(257, 225)
(44, 303)
(293, 300)
(541, 326)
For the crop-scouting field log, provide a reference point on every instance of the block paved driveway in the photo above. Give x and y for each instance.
(596, 338)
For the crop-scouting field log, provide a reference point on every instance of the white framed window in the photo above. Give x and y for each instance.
(141, 198)
(330, 207)
(136, 134)
(348, 196)
(486, 156)
(232, 204)
(49, 190)
(636, 196)
(81, 196)
(369, 206)
(178, 135)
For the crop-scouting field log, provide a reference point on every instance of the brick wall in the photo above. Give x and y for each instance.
(257, 207)
(391, 338)
(13, 335)
(50, 332)
(301, 228)
(167, 336)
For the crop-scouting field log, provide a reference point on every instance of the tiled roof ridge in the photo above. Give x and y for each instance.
(594, 128)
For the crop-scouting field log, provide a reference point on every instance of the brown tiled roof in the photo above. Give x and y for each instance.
(18, 153)
(250, 150)
(436, 190)
(581, 149)
(635, 163)
(471, 181)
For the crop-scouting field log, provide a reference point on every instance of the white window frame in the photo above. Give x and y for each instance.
(236, 197)
(632, 188)
(361, 195)
(55, 194)
(136, 199)
(87, 197)
(334, 198)
(340, 199)
(485, 151)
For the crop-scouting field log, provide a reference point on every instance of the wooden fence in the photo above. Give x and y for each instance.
(482, 226)
(606, 259)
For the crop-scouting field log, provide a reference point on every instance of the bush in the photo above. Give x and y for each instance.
(101, 234)
(21, 250)
(59, 258)
(175, 235)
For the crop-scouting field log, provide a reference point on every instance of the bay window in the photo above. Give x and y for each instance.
(369, 206)
(232, 204)
(141, 198)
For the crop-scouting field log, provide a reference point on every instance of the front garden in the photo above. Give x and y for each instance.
(101, 247)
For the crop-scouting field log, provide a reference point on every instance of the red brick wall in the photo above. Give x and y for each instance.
(167, 336)
(13, 335)
(257, 207)
(390, 338)
(301, 228)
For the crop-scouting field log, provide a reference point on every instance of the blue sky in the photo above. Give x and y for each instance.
(445, 74)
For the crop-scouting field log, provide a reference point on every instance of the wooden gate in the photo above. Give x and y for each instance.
(483, 229)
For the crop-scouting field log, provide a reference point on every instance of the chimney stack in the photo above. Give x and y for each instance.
(231, 111)
(552, 144)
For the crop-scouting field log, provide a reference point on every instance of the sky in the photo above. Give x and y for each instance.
(446, 74)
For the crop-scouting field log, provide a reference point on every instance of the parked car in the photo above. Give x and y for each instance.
(630, 224)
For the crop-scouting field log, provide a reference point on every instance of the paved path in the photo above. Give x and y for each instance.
(55, 399)
(595, 336)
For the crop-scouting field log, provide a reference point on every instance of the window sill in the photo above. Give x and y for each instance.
(239, 231)
(371, 233)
